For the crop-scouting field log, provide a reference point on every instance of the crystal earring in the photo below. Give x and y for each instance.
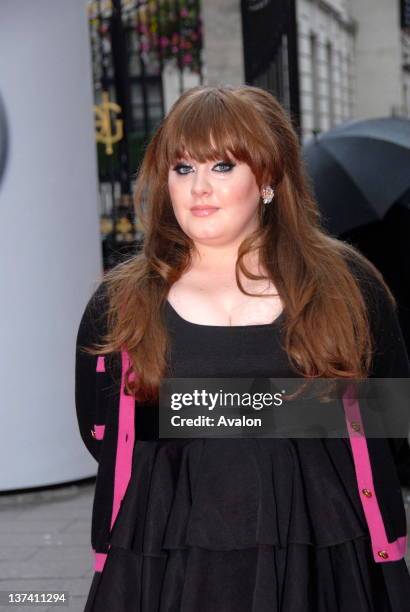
(267, 194)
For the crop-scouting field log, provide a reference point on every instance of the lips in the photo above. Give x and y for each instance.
(204, 208)
(203, 211)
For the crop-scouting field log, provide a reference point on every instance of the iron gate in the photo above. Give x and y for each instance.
(131, 41)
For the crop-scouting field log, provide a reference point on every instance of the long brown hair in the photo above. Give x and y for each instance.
(326, 326)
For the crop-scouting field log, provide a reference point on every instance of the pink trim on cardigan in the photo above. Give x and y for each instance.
(125, 447)
(99, 431)
(125, 441)
(383, 550)
(99, 561)
(100, 364)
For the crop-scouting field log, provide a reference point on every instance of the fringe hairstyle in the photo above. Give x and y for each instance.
(326, 325)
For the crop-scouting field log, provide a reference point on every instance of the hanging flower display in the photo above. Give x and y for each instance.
(168, 29)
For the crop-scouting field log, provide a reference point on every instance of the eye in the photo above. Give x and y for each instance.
(223, 166)
(226, 165)
(180, 167)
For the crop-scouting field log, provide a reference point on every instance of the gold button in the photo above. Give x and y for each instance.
(383, 554)
(355, 425)
(366, 492)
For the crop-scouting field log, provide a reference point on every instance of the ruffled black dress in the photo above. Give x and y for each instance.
(241, 525)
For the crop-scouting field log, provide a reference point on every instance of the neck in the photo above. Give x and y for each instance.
(222, 259)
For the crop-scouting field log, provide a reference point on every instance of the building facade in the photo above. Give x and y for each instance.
(354, 61)
(380, 46)
(326, 35)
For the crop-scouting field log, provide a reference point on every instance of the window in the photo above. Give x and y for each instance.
(315, 82)
(330, 83)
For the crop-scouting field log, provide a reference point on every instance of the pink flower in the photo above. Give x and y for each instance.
(184, 12)
(187, 59)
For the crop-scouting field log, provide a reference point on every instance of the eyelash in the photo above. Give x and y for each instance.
(179, 166)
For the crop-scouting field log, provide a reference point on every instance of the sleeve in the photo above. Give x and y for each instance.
(390, 360)
(91, 329)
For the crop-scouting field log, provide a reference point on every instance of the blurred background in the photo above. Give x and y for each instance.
(83, 85)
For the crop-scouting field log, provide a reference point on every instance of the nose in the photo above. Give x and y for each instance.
(200, 182)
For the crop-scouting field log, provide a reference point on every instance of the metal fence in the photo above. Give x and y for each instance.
(131, 43)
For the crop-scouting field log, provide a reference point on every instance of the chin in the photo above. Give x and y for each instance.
(203, 233)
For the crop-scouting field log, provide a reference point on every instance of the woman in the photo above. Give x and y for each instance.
(237, 279)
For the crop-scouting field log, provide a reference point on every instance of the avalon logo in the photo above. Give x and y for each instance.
(4, 139)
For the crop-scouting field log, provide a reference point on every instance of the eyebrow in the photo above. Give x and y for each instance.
(227, 157)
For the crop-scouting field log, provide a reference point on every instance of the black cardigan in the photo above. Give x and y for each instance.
(97, 399)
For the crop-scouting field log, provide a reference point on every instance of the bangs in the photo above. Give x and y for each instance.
(206, 128)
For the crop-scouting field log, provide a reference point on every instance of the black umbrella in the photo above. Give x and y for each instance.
(359, 170)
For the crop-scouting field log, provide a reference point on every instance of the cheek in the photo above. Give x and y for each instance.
(176, 194)
(242, 192)
(172, 188)
(178, 197)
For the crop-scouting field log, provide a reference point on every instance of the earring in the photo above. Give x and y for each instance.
(267, 193)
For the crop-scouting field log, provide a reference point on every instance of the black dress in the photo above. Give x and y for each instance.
(241, 525)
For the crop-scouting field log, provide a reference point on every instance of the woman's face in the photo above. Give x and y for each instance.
(215, 202)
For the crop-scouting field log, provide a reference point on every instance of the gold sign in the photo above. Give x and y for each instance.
(104, 133)
(123, 225)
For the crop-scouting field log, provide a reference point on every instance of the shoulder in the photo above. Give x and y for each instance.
(93, 324)
(379, 300)
(390, 356)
